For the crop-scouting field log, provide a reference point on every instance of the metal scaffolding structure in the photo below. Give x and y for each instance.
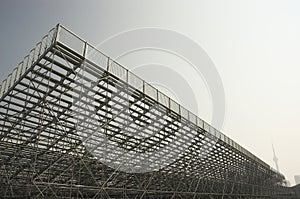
(76, 124)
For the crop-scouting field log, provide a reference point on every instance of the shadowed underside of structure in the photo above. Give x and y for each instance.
(76, 124)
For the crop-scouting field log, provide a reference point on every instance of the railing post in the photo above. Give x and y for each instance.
(56, 37)
(107, 67)
(85, 50)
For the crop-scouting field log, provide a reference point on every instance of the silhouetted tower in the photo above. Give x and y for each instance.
(275, 159)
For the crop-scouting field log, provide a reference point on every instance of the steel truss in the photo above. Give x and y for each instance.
(69, 114)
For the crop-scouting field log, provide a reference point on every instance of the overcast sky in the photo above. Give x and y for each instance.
(254, 45)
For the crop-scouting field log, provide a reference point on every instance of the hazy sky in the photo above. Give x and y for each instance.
(254, 45)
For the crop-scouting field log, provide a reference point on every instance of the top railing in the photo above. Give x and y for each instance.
(28, 62)
(80, 46)
(64, 36)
